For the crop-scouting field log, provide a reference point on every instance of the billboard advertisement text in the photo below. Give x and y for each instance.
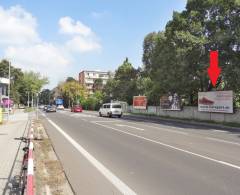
(215, 101)
(140, 102)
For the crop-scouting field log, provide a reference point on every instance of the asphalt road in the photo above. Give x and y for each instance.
(133, 156)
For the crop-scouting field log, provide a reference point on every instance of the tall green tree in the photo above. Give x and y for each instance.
(16, 79)
(124, 85)
(98, 85)
(72, 92)
(177, 60)
(69, 79)
(45, 97)
(32, 83)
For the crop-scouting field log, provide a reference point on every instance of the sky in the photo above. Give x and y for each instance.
(62, 38)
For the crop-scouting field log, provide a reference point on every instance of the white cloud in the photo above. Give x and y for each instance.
(83, 39)
(44, 57)
(80, 44)
(21, 43)
(17, 27)
(71, 27)
(99, 15)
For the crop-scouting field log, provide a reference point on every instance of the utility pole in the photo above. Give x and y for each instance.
(28, 99)
(37, 106)
(9, 85)
(32, 101)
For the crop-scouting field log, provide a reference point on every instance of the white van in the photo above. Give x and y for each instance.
(111, 109)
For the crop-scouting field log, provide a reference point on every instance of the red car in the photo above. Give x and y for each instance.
(76, 108)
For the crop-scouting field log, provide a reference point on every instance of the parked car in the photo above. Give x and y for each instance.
(45, 108)
(41, 106)
(60, 107)
(111, 109)
(21, 106)
(76, 108)
(51, 108)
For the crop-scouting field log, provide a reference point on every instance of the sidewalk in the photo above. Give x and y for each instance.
(11, 150)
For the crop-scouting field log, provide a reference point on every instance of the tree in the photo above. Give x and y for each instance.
(98, 85)
(149, 46)
(177, 60)
(32, 83)
(69, 79)
(94, 101)
(72, 92)
(124, 85)
(45, 96)
(16, 79)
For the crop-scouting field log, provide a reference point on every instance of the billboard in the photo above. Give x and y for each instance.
(6, 102)
(215, 101)
(140, 102)
(59, 101)
(170, 102)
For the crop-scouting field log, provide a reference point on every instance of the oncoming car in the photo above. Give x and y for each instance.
(111, 109)
(76, 108)
(60, 107)
(51, 108)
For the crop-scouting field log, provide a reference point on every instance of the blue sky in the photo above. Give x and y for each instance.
(95, 35)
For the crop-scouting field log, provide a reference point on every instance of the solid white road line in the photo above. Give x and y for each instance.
(110, 121)
(121, 125)
(173, 147)
(224, 141)
(122, 187)
(220, 131)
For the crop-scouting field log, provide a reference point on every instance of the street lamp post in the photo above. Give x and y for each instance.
(37, 105)
(32, 101)
(9, 85)
(28, 99)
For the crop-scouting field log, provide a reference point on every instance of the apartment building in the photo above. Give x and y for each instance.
(87, 78)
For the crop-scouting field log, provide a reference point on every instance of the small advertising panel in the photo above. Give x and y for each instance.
(59, 101)
(6, 102)
(170, 102)
(215, 101)
(140, 102)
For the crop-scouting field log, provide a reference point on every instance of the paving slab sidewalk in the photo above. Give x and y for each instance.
(11, 153)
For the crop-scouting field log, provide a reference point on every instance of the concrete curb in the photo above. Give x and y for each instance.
(182, 121)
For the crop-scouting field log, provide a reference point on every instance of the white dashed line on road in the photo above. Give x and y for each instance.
(173, 147)
(224, 141)
(121, 125)
(220, 131)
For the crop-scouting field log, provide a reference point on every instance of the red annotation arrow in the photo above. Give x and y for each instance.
(214, 71)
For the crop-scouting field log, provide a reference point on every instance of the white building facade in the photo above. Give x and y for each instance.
(4, 82)
(87, 78)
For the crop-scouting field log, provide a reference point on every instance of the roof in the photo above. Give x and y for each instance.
(98, 71)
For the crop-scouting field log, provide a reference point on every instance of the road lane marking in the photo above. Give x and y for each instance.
(122, 125)
(224, 141)
(173, 147)
(110, 121)
(162, 128)
(122, 187)
(220, 131)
